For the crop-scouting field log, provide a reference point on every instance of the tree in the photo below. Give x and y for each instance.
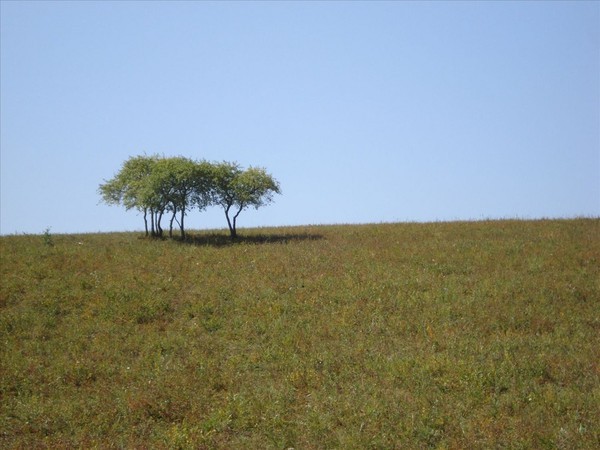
(155, 185)
(235, 189)
(180, 184)
(130, 187)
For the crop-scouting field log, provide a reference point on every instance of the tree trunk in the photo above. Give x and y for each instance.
(234, 234)
(171, 222)
(181, 224)
(232, 231)
(146, 220)
(153, 229)
(158, 226)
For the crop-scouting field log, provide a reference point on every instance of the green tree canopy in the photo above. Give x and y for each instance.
(157, 185)
(235, 189)
(179, 185)
(130, 186)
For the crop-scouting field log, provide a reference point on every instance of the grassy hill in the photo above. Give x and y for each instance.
(443, 335)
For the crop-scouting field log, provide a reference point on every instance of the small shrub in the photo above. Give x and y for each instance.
(47, 237)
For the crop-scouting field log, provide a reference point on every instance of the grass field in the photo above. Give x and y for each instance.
(443, 335)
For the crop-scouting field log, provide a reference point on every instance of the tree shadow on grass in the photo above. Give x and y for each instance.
(224, 240)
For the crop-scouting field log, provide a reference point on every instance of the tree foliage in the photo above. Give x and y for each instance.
(157, 186)
(130, 188)
(235, 189)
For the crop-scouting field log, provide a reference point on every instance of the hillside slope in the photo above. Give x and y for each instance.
(443, 335)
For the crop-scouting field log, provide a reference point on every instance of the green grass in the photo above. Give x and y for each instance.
(444, 335)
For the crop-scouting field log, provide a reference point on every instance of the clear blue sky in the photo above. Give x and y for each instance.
(364, 111)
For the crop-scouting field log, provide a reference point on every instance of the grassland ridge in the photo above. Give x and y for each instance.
(479, 334)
